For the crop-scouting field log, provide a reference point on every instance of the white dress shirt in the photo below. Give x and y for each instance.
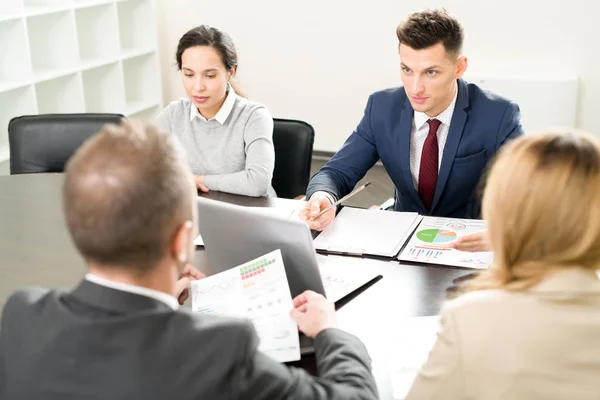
(420, 131)
(142, 291)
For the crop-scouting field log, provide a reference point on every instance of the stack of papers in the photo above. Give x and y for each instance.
(257, 290)
(429, 243)
(358, 231)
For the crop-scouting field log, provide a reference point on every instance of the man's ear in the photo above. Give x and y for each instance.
(181, 243)
(461, 66)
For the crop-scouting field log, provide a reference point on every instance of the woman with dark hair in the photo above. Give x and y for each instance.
(228, 139)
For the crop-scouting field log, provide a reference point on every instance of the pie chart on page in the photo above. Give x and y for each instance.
(436, 236)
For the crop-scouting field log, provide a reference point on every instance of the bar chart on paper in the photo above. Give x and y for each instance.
(426, 253)
(257, 268)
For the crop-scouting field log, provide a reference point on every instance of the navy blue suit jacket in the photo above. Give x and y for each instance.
(481, 123)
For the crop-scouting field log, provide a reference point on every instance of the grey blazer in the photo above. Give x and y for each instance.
(100, 343)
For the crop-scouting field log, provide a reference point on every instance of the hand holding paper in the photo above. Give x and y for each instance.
(257, 290)
(313, 313)
(182, 287)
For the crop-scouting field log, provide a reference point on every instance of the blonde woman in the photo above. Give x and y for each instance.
(529, 328)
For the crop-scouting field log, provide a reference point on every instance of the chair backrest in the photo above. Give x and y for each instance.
(44, 143)
(293, 141)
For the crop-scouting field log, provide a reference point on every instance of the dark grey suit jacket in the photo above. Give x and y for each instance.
(101, 343)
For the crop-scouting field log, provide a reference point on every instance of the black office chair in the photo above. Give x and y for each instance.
(293, 141)
(44, 143)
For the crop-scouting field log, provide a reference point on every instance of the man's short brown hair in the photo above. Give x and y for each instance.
(430, 27)
(126, 191)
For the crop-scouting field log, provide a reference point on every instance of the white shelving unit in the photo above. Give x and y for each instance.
(136, 31)
(95, 82)
(98, 33)
(15, 68)
(53, 44)
(60, 95)
(10, 9)
(20, 101)
(63, 56)
(137, 72)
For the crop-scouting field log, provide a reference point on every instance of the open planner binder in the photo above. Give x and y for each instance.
(362, 232)
(403, 236)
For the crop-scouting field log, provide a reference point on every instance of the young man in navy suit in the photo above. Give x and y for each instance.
(434, 135)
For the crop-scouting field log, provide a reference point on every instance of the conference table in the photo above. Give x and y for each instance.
(35, 250)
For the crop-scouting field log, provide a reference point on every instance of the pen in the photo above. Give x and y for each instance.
(346, 197)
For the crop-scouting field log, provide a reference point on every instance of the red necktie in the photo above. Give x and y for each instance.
(428, 169)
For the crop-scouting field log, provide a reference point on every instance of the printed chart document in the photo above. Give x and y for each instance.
(257, 290)
(413, 340)
(359, 231)
(283, 212)
(429, 243)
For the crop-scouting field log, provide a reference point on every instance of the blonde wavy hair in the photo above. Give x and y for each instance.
(542, 206)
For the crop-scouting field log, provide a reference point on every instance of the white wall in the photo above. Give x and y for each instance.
(319, 60)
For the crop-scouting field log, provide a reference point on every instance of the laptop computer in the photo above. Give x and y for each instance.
(234, 234)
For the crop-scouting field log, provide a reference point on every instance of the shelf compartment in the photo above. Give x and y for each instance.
(16, 67)
(10, 9)
(14, 103)
(141, 80)
(53, 43)
(103, 89)
(136, 25)
(98, 33)
(61, 95)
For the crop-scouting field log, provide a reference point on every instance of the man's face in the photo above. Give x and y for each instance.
(429, 77)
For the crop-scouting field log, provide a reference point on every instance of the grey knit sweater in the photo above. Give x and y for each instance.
(233, 151)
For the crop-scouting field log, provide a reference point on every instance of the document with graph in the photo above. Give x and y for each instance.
(257, 290)
(429, 243)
